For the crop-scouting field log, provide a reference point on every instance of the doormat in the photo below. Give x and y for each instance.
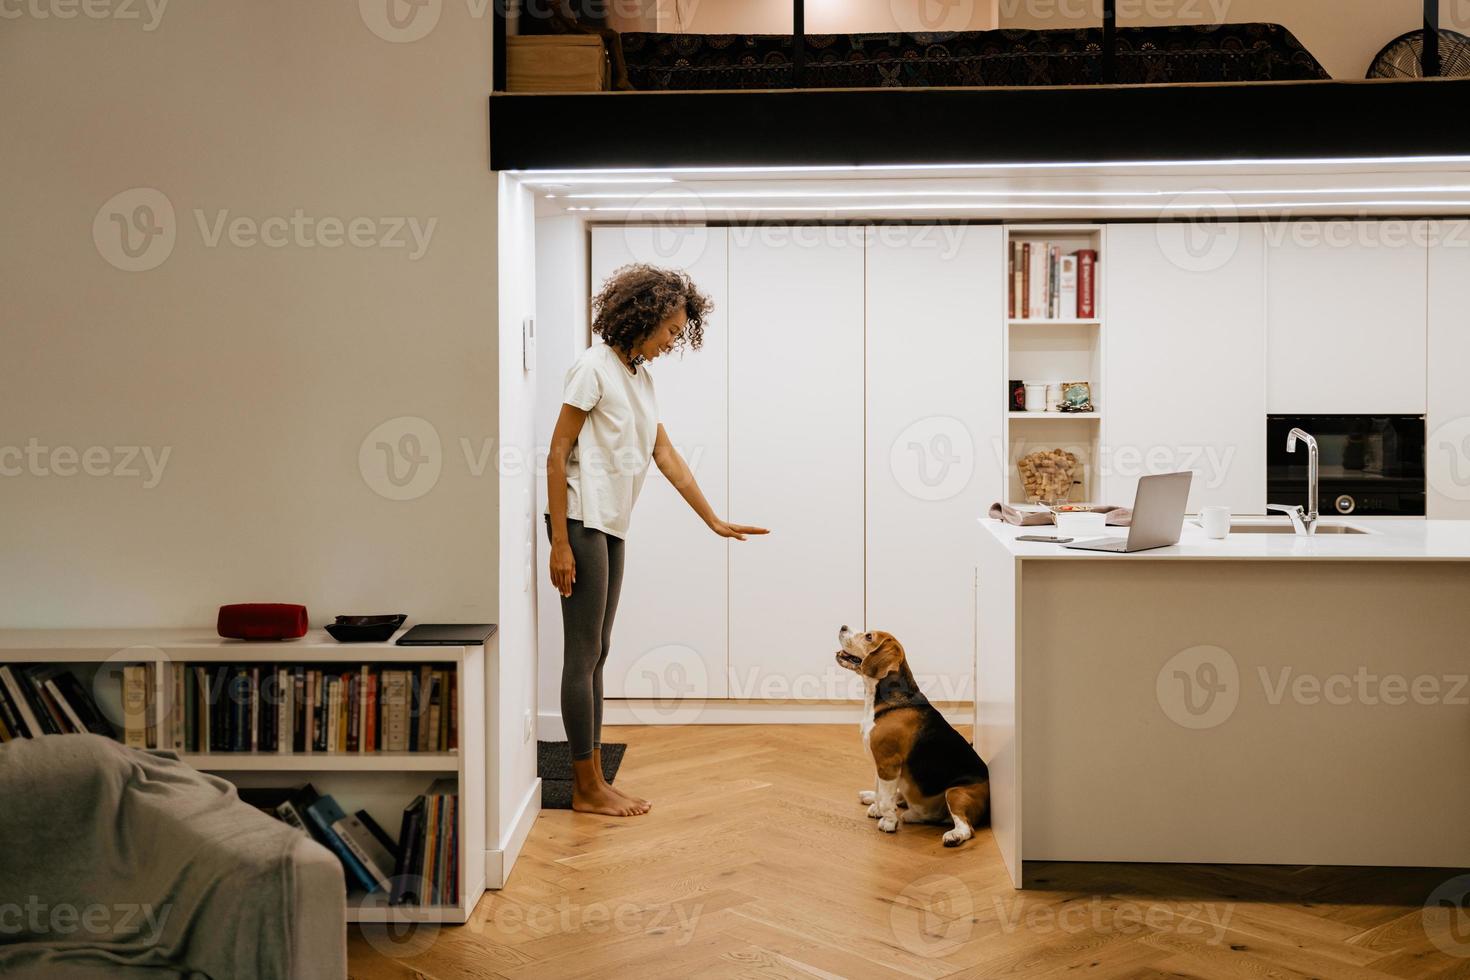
(554, 766)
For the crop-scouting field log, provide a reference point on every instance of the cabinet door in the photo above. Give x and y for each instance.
(1345, 317)
(934, 416)
(796, 457)
(1184, 355)
(670, 637)
(1447, 449)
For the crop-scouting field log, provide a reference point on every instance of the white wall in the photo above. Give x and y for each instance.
(268, 374)
(561, 306)
(511, 681)
(261, 371)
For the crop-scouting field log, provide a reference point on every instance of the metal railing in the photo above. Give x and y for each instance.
(1429, 54)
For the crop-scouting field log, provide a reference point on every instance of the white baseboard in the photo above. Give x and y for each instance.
(549, 727)
(500, 862)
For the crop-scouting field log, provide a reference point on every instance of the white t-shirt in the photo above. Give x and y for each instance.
(606, 469)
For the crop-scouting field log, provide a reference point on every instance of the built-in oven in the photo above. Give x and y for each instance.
(1367, 464)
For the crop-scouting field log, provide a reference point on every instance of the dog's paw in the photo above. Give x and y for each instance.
(956, 837)
(888, 824)
(873, 811)
(867, 796)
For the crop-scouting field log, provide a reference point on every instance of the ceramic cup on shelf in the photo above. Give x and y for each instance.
(1035, 397)
(1053, 396)
(1215, 521)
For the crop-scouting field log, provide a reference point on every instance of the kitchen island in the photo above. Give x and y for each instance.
(1267, 698)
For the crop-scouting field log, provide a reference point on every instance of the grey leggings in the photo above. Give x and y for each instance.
(587, 621)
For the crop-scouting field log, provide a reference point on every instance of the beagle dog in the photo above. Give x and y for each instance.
(922, 762)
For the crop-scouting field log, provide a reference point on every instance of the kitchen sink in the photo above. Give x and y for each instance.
(1288, 529)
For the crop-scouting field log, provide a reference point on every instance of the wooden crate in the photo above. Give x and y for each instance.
(556, 63)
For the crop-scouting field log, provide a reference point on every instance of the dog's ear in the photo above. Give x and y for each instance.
(886, 658)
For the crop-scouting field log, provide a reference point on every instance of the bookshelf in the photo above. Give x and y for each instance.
(382, 783)
(1054, 350)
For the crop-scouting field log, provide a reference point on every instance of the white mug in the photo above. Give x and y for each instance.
(1035, 397)
(1215, 521)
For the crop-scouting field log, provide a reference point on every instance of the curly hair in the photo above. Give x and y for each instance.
(636, 298)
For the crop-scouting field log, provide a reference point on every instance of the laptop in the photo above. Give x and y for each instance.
(1158, 516)
(447, 635)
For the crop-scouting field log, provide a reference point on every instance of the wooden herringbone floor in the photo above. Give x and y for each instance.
(757, 861)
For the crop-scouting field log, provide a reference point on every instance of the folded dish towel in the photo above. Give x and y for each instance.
(1117, 516)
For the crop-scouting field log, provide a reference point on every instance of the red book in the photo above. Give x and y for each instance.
(1086, 284)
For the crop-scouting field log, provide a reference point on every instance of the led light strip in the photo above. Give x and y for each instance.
(551, 175)
(684, 195)
(1059, 206)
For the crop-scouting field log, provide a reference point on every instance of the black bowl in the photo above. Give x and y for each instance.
(365, 629)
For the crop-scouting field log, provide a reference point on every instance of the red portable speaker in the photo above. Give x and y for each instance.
(262, 621)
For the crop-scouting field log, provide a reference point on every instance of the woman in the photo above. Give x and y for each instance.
(606, 433)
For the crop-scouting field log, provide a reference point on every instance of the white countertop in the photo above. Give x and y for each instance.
(1389, 539)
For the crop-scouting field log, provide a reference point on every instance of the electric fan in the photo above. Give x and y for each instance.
(1400, 59)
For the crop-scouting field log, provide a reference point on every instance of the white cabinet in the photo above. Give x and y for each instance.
(796, 457)
(1447, 446)
(934, 422)
(1345, 317)
(670, 637)
(1185, 359)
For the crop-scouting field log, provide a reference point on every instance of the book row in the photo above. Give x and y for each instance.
(294, 708)
(1046, 283)
(420, 868)
(241, 707)
(45, 699)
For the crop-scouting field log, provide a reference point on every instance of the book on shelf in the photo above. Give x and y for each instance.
(322, 816)
(1086, 284)
(376, 859)
(135, 706)
(46, 699)
(426, 870)
(1047, 283)
(1067, 283)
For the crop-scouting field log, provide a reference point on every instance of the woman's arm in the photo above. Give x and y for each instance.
(563, 438)
(672, 466)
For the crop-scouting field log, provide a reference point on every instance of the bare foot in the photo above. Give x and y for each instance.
(631, 798)
(596, 773)
(602, 800)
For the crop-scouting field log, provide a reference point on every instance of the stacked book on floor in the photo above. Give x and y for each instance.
(1049, 284)
(420, 868)
(40, 700)
(290, 708)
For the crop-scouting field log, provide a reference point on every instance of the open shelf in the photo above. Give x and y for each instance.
(374, 907)
(1057, 350)
(381, 783)
(1040, 416)
(322, 761)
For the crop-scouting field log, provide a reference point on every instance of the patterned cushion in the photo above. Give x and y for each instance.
(1229, 53)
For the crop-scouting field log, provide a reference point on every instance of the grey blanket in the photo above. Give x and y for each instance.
(120, 863)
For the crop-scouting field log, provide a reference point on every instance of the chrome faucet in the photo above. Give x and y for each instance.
(1305, 521)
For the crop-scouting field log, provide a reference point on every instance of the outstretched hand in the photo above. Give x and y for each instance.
(737, 531)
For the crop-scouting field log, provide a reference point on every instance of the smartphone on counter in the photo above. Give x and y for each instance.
(1044, 539)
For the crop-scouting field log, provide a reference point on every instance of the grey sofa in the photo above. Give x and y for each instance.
(120, 863)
